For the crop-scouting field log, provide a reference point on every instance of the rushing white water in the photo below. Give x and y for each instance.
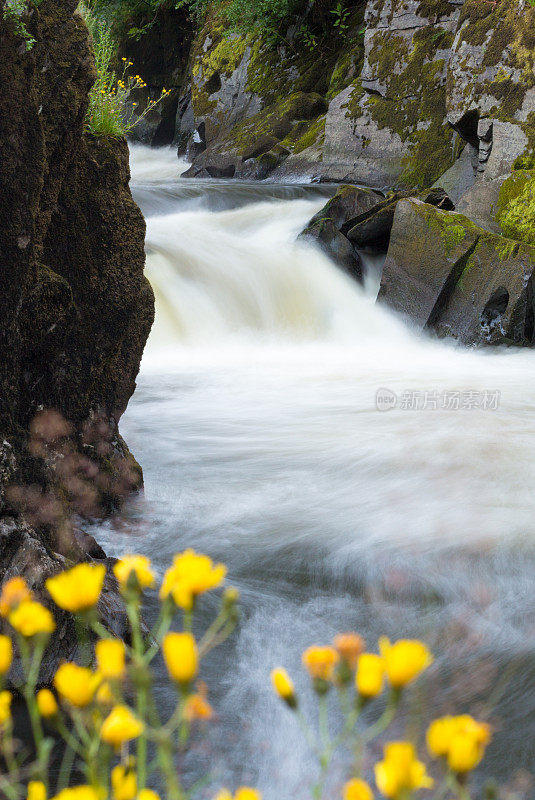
(255, 420)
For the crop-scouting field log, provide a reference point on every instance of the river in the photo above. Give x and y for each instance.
(256, 423)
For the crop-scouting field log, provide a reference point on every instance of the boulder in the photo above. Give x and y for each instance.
(334, 244)
(348, 203)
(445, 273)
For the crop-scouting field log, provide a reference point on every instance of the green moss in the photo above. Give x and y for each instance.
(452, 235)
(315, 134)
(414, 106)
(516, 206)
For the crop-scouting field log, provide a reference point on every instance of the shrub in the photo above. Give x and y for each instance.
(107, 114)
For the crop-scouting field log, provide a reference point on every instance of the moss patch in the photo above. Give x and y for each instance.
(516, 206)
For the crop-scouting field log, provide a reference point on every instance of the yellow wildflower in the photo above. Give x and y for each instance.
(400, 771)
(110, 655)
(461, 739)
(36, 791)
(46, 703)
(120, 726)
(104, 694)
(6, 654)
(77, 685)
(192, 574)
(147, 794)
(349, 647)
(404, 660)
(224, 794)
(30, 618)
(14, 592)
(181, 656)
(79, 588)
(370, 675)
(246, 793)
(320, 662)
(83, 792)
(123, 782)
(138, 566)
(5, 707)
(283, 685)
(357, 789)
(197, 705)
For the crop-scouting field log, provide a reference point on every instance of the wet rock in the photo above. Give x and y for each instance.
(461, 176)
(445, 273)
(334, 244)
(349, 203)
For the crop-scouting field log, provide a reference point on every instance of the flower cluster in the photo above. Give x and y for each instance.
(346, 666)
(106, 736)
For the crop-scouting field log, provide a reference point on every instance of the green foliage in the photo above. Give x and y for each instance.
(516, 206)
(107, 114)
(16, 11)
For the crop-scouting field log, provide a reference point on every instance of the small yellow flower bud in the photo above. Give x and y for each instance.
(77, 589)
(283, 685)
(148, 794)
(246, 793)
(120, 726)
(181, 657)
(370, 675)
(357, 789)
(46, 703)
(110, 654)
(404, 660)
(77, 685)
(349, 647)
(6, 654)
(139, 567)
(31, 618)
(320, 662)
(14, 592)
(36, 791)
(400, 772)
(124, 782)
(5, 707)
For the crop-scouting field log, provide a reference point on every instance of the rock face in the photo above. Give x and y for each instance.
(76, 309)
(445, 273)
(408, 87)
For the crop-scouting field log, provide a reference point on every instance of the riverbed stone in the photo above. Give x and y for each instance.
(444, 273)
(334, 244)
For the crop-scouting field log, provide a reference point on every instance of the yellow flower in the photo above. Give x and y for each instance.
(370, 674)
(104, 694)
(400, 771)
(404, 660)
(283, 685)
(320, 662)
(191, 575)
(46, 703)
(148, 794)
(36, 791)
(30, 618)
(110, 655)
(120, 726)
(79, 588)
(197, 705)
(77, 685)
(123, 782)
(14, 592)
(181, 656)
(84, 792)
(461, 739)
(246, 793)
(224, 794)
(6, 654)
(138, 566)
(349, 647)
(357, 789)
(5, 707)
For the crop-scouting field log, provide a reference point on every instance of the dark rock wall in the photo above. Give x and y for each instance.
(75, 307)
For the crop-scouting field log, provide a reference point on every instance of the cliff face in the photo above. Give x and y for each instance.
(409, 89)
(75, 307)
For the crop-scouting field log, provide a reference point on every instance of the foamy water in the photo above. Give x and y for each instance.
(256, 423)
